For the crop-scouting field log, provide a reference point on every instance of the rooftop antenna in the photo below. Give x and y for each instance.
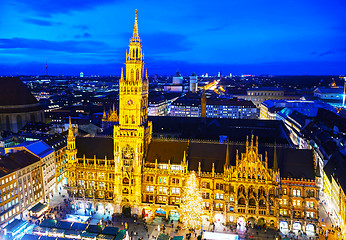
(343, 97)
(46, 68)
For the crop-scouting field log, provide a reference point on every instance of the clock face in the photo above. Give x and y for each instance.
(130, 102)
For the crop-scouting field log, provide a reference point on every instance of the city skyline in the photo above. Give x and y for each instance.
(240, 38)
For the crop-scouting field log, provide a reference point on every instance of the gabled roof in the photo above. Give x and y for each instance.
(38, 148)
(15, 161)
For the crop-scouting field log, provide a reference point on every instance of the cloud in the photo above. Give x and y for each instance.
(85, 35)
(164, 42)
(81, 27)
(40, 22)
(61, 46)
(326, 53)
(49, 7)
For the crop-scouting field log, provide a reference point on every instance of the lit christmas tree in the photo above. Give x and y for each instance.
(191, 206)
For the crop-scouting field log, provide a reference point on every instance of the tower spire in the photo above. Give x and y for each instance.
(70, 129)
(227, 155)
(135, 36)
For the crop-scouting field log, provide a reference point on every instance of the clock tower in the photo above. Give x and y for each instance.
(133, 134)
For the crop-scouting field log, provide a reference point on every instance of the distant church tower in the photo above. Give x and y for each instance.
(133, 134)
(193, 83)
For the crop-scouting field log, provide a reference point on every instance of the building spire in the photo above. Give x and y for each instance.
(122, 74)
(135, 36)
(70, 129)
(227, 155)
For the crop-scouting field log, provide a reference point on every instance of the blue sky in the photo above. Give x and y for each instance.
(242, 37)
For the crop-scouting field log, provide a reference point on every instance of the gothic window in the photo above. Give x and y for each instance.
(241, 201)
(125, 191)
(126, 181)
(137, 75)
(241, 190)
(126, 119)
(32, 117)
(8, 126)
(252, 202)
(19, 122)
(262, 203)
(133, 119)
(261, 192)
(132, 75)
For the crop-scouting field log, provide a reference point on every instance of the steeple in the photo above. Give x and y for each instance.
(227, 155)
(135, 35)
(70, 135)
(275, 164)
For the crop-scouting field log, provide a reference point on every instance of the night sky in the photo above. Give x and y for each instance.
(239, 37)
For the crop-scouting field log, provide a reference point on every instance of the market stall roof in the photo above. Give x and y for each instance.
(79, 226)
(49, 223)
(63, 225)
(121, 235)
(39, 230)
(110, 231)
(56, 231)
(37, 208)
(73, 233)
(30, 237)
(15, 225)
(47, 238)
(89, 235)
(105, 237)
(163, 237)
(178, 238)
(94, 229)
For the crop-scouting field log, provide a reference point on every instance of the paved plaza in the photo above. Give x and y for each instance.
(149, 229)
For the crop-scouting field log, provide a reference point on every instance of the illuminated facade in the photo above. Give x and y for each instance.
(239, 183)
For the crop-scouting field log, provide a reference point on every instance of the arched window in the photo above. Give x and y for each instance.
(137, 75)
(252, 202)
(125, 191)
(32, 117)
(126, 181)
(8, 125)
(241, 201)
(133, 119)
(19, 122)
(132, 75)
(262, 203)
(126, 119)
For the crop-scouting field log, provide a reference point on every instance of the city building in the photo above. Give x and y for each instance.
(259, 95)
(9, 201)
(270, 108)
(193, 83)
(47, 158)
(59, 143)
(21, 185)
(241, 182)
(187, 106)
(334, 185)
(192, 105)
(231, 108)
(158, 106)
(177, 79)
(17, 105)
(333, 96)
